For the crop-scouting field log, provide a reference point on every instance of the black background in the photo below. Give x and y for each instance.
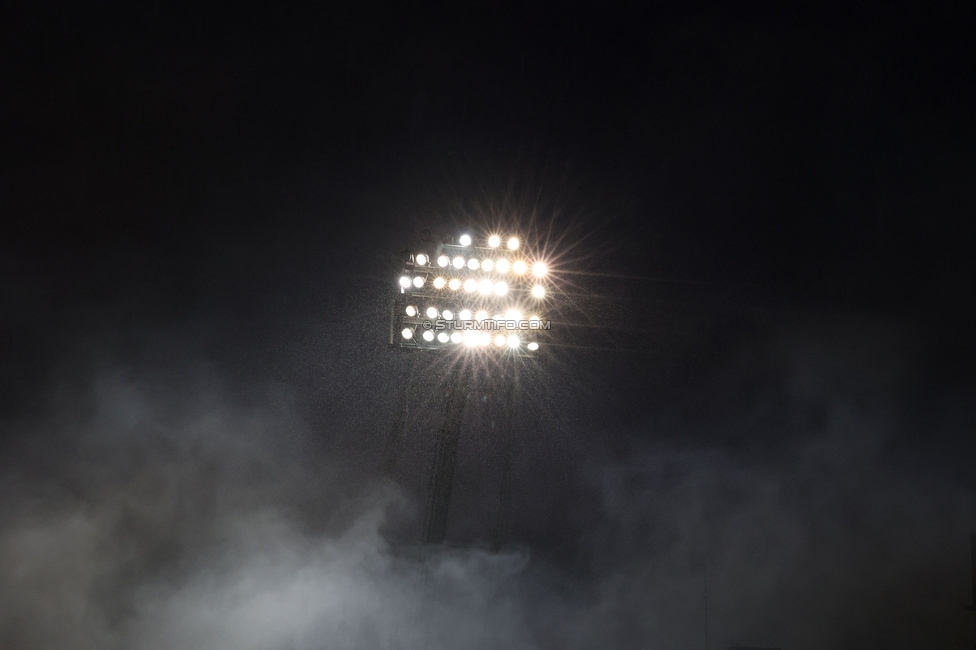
(762, 219)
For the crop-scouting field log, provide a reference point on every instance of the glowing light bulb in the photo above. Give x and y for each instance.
(405, 282)
(418, 282)
(443, 337)
(458, 262)
(486, 286)
(407, 333)
(501, 288)
(465, 314)
(421, 259)
(533, 346)
(454, 284)
(494, 241)
(513, 341)
(470, 285)
(411, 311)
(500, 340)
(432, 312)
(481, 315)
(538, 291)
(487, 265)
(428, 336)
(519, 267)
(473, 264)
(456, 337)
(513, 244)
(465, 240)
(539, 269)
(502, 265)
(447, 314)
(439, 283)
(443, 261)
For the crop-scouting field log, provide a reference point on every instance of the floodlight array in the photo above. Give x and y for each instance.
(461, 294)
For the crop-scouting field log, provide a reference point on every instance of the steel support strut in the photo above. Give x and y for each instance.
(508, 443)
(445, 456)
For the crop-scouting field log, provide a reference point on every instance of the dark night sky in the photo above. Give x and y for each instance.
(768, 212)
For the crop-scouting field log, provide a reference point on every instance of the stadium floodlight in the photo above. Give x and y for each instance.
(495, 280)
(469, 277)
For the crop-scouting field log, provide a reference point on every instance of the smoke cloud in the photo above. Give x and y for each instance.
(791, 503)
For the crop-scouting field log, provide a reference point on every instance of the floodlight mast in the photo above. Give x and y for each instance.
(445, 457)
(442, 302)
(509, 408)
